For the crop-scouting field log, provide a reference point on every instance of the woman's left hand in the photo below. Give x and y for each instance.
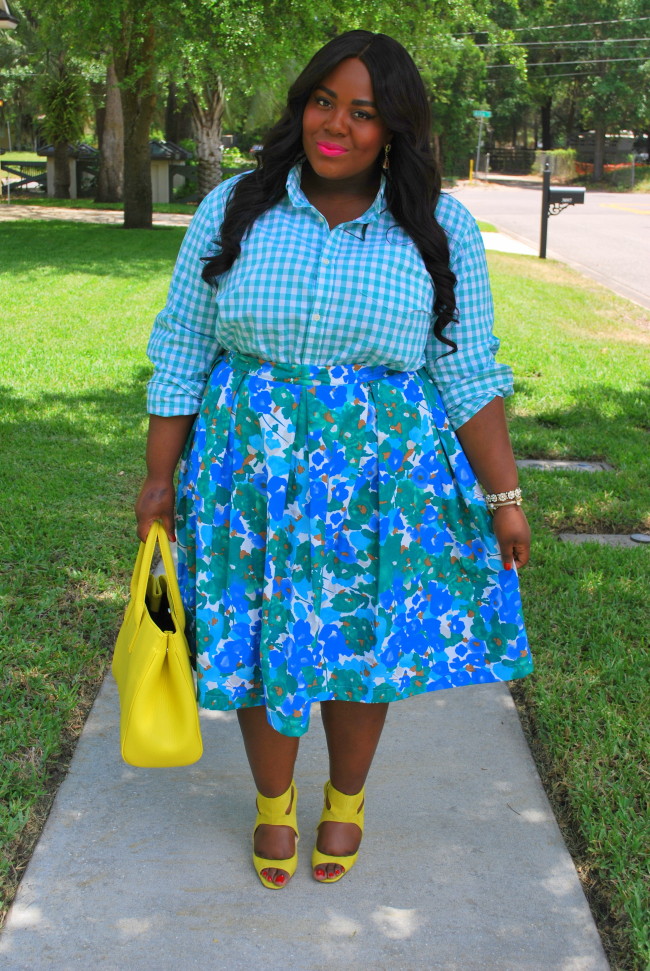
(513, 534)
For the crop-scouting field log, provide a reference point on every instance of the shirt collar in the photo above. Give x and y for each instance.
(300, 201)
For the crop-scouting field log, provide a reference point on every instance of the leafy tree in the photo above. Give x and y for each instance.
(64, 96)
(250, 66)
(135, 58)
(590, 73)
(229, 49)
(19, 50)
(133, 36)
(614, 95)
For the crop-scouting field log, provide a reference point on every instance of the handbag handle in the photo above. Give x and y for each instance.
(142, 571)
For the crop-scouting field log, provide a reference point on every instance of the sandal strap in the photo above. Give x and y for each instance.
(272, 811)
(343, 808)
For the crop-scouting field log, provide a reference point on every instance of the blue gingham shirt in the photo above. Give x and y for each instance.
(301, 293)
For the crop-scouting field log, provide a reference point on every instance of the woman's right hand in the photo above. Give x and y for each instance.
(156, 501)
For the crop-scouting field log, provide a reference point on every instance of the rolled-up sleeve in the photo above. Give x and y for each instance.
(471, 377)
(183, 346)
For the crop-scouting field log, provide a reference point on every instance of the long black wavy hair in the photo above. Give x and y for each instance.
(413, 179)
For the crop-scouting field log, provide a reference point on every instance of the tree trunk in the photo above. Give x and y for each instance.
(207, 111)
(570, 122)
(436, 151)
(547, 137)
(178, 122)
(135, 69)
(61, 170)
(110, 180)
(599, 151)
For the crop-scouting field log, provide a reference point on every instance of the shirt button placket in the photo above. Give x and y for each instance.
(315, 342)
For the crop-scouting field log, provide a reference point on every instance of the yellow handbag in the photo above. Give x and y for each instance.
(159, 719)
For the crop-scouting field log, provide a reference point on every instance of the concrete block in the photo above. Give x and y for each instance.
(555, 465)
(603, 539)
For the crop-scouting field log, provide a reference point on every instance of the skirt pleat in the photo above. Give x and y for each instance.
(334, 543)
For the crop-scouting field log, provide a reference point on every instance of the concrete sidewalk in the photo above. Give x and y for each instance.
(502, 243)
(111, 217)
(462, 867)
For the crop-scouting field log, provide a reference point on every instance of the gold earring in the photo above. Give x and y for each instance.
(386, 164)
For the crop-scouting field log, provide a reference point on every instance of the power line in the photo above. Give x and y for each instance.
(551, 77)
(587, 23)
(565, 43)
(600, 60)
(546, 77)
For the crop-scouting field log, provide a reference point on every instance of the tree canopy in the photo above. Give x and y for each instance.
(545, 68)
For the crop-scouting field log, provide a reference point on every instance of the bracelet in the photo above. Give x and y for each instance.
(493, 506)
(502, 496)
(495, 500)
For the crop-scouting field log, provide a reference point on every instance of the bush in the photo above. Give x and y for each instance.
(618, 175)
(233, 158)
(562, 162)
(186, 191)
(189, 145)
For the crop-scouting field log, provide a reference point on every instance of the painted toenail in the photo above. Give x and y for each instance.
(280, 878)
(320, 873)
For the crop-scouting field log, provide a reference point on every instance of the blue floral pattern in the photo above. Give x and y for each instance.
(334, 543)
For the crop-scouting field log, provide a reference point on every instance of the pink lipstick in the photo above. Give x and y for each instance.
(330, 149)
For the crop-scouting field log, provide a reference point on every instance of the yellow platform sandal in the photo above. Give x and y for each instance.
(342, 809)
(273, 812)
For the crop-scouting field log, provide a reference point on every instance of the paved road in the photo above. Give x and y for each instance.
(607, 238)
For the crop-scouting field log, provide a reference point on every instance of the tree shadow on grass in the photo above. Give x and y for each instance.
(98, 250)
(71, 466)
(604, 423)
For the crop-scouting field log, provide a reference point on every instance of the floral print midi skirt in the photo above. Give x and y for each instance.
(334, 543)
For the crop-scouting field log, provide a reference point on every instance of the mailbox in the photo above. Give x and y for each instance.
(559, 195)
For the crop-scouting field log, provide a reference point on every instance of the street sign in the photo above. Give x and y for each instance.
(481, 115)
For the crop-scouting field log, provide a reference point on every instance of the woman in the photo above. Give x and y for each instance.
(334, 544)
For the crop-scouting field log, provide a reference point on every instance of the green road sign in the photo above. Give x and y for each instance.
(482, 114)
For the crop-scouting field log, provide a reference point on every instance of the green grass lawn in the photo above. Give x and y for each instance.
(188, 208)
(21, 156)
(582, 380)
(78, 303)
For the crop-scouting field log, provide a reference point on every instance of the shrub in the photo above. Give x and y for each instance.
(562, 162)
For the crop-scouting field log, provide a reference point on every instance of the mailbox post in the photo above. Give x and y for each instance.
(555, 198)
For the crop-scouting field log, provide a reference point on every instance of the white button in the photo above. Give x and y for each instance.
(316, 316)
(326, 262)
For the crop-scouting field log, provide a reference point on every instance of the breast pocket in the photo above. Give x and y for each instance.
(402, 324)
(394, 278)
